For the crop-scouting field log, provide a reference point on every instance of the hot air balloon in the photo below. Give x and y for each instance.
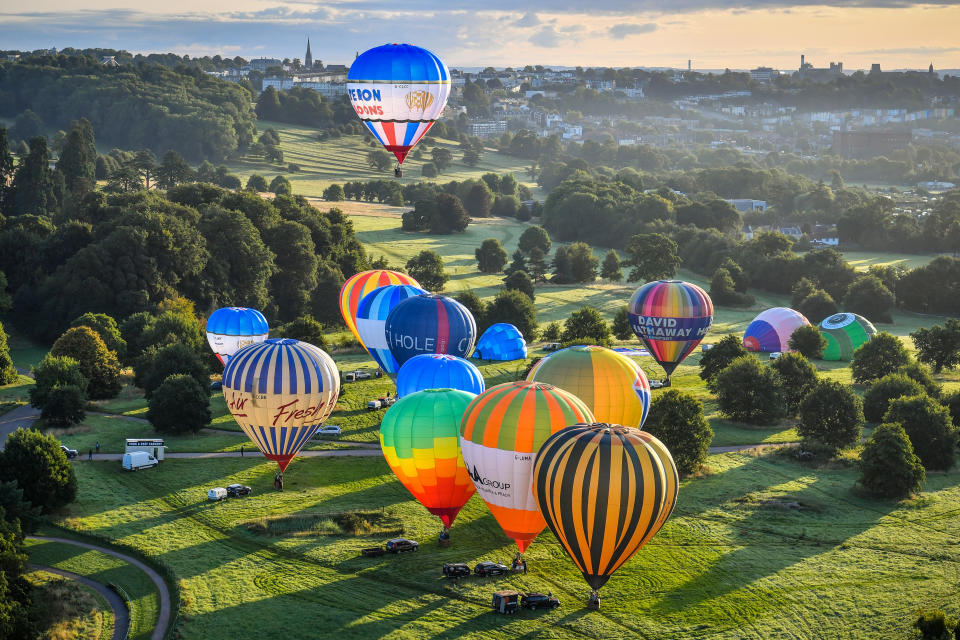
(438, 371)
(280, 391)
(500, 433)
(372, 319)
(398, 91)
(771, 330)
(614, 387)
(420, 437)
(670, 317)
(232, 328)
(604, 491)
(501, 341)
(845, 333)
(430, 324)
(359, 285)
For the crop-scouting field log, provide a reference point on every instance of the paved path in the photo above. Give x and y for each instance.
(163, 620)
(13, 420)
(250, 453)
(121, 616)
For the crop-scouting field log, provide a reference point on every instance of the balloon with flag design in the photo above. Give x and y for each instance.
(359, 285)
(398, 92)
(280, 391)
(372, 320)
(231, 328)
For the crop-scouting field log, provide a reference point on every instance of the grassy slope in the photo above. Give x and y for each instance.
(67, 609)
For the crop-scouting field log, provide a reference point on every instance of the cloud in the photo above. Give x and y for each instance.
(529, 19)
(547, 37)
(621, 31)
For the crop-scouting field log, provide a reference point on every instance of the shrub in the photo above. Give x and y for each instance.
(586, 323)
(552, 333)
(797, 375)
(882, 355)
(922, 376)
(37, 463)
(929, 427)
(179, 405)
(677, 420)
(876, 399)
(64, 405)
(718, 358)
(749, 392)
(98, 364)
(934, 625)
(831, 414)
(56, 371)
(808, 341)
(888, 466)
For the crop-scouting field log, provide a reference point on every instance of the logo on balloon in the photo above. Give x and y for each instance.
(503, 487)
(419, 100)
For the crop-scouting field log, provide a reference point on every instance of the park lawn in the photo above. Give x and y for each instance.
(16, 394)
(761, 547)
(144, 602)
(66, 608)
(863, 260)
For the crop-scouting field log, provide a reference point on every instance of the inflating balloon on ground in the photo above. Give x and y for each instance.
(845, 333)
(438, 371)
(501, 341)
(770, 331)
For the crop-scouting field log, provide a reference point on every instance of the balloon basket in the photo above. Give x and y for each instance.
(397, 172)
(444, 539)
(594, 601)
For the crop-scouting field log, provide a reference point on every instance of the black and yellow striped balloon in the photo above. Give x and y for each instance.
(604, 491)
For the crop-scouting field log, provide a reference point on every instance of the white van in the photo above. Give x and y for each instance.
(217, 493)
(136, 460)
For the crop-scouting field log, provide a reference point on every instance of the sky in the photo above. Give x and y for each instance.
(714, 34)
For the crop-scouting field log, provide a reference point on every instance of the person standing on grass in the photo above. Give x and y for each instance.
(241, 450)
(98, 446)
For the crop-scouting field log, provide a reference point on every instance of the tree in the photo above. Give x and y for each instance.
(507, 207)
(53, 372)
(15, 602)
(749, 392)
(78, 158)
(257, 183)
(478, 200)
(831, 414)
(801, 290)
(611, 267)
(442, 158)
(535, 236)
(429, 170)
(174, 170)
(98, 364)
(653, 256)
(807, 341)
(882, 355)
(520, 281)
(281, 186)
(33, 184)
(38, 464)
(106, 327)
(170, 360)
(491, 256)
(722, 288)
(379, 159)
(586, 323)
(8, 372)
(427, 268)
(448, 215)
(877, 397)
(922, 376)
(868, 297)
(64, 405)
(179, 405)
(513, 307)
(537, 265)
(929, 427)
(817, 306)
(797, 376)
(719, 357)
(677, 420)
(938, 346)
(305, 329)
(621, 324)
(297, 263)
(519, 262)
(334, 193)
(888, 466)
(553, 331)
(583, 264)
(474, 305)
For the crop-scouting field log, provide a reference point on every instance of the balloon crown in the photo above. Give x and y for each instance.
(281, 341)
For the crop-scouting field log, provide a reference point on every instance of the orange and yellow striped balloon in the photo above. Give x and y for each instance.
(420, 438)
(359, 285)
(500, 433)
(605, 490)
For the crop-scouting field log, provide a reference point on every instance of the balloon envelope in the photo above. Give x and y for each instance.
(231, 328)
(845, 333)
(359, 285)
(614, 387)
(501, 431)
(398, 92)
(604, 492)
(770, 331)
(372, 315)
(670, 317)
(438, 371)
(501, 341)
(280, 392)
(419, 436)
(430, 324)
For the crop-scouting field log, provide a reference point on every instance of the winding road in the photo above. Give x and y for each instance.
(121, 615)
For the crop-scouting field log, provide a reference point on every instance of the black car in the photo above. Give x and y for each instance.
(237, 490)
(456, 569)
(542, 600)
(399, 545)
(488, 568)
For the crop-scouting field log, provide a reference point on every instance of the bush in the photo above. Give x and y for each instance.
(749, 392)
(888, 466)
(797, 375)
(929, 427)
(934, 625)
(586, 323)
(922, 376)
(876, 399)
(37, 463)
(621, 324)
(64, 405)
(179, 405)
(831, 414)
(552, 333)
(808, 341)
(98, 364)
(514, 308)
(8, 372)
(56, 371)
(882, 355)
(718, 358)
(170, 360)
(677, 420)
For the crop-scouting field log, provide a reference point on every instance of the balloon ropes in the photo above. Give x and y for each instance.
(372, 320)
(605, 490)
(500, 433)
(670, 317)
(232, 328)
(398, 91)
(359, 285)
(280, 391)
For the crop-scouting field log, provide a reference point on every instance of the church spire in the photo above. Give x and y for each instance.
(308, 59)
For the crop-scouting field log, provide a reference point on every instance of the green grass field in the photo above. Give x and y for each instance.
(65, 608)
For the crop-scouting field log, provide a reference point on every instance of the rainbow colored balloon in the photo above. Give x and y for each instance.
(359, 285)
(420, 438)
(670, 317)
(770, 331)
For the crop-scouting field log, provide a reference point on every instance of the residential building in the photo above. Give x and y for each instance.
(486, 128)
(262, 64)
(745, 205)
(869, 144)
(764, 74)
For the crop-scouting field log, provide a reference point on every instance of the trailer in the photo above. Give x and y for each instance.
(151, 446)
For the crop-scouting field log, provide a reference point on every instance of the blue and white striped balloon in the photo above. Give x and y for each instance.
(231, 328)
(372, 319)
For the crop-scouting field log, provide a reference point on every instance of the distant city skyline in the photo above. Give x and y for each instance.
(894, 33)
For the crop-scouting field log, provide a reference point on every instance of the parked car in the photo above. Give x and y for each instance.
(217, 494)
(774, 355)
(656, 384)
(362, 375)
(216, 385)
(238, 490)
(456, 569)
(487, 568)
(506, 601)
(374, 405)
(372, 551)
(387, 401)
(349, 376)
(136, 460)
(328, 430)
(542, 600)
(399, 545)
(551, 346)
(70, 453)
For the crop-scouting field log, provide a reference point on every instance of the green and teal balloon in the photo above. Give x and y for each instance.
(845, 333)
